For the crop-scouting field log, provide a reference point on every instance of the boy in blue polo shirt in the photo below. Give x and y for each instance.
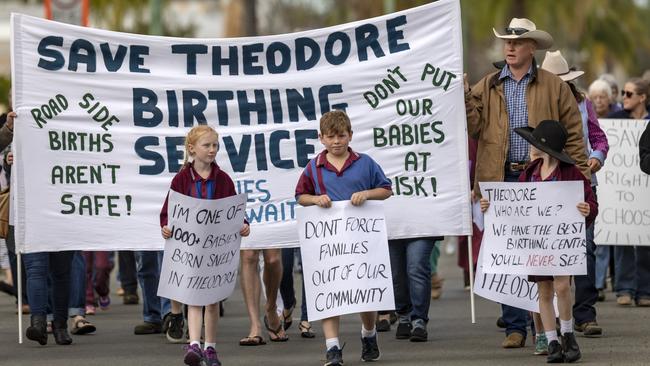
(340, 174)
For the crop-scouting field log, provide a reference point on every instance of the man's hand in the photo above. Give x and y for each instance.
(594, 165)
(10, 120)
(166, 233)
(323, 201)
(359, 198)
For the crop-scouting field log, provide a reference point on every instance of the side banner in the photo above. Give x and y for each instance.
(202, 256)
(102, 118)
(623, 189)
(345, 259)
(534, 229)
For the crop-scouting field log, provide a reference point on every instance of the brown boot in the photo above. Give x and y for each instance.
(436, 286)
(514, 340)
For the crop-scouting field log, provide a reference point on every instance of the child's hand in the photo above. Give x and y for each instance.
(166, 233)
(485, 204)
(358, 198)
(245, 230)
(584, 208)
(323, 201)
(10, 158)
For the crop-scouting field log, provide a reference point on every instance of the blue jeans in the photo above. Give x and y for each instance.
(38, 267)
(148, 264)
(77, 286)
(632, 271)
(602, 264)
(287, 290)
(516, 319)
(586, 293)
(410, 261)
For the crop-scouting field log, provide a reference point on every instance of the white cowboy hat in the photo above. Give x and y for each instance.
(524, 28)
(555, 63)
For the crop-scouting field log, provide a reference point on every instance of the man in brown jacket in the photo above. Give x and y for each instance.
(518, 95)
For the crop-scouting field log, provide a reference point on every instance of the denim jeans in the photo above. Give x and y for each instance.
(148, 265)
(586, 293)
(77, 285)
(287, 290)
(602, 264)
(38, 267)
(411, 267)
(516, 319)
(632, 271)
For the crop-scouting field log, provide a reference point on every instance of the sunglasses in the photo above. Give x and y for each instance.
(516, 31)
(628, 94)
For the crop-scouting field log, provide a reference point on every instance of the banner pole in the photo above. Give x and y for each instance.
(470, 258)
(19, 294)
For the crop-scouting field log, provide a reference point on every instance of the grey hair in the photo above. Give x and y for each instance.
(610, 79)
(600, 85)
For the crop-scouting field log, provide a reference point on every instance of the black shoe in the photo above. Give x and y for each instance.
(175, 329)
(130, 299)
(334, 357)
(37, 331)
(60, 332)
(369, 349)
(501, 323)
(571, 349)
(383, 325)
(555, 354)
(147, 328)
(419, 333)
(403, 330)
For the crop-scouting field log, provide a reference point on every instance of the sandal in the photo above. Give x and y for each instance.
(82, 326)
(287, 316)
(274, 334)
(252, 341)
(305, 329)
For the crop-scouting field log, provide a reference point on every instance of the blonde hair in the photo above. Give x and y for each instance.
(193, 137)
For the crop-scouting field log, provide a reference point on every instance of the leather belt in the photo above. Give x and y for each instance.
(516, 166)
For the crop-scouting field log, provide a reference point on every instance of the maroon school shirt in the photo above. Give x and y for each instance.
(184, 182)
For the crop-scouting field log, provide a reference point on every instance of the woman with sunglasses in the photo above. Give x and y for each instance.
(632, 281)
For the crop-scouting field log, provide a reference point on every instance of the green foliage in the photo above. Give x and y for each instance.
(5, 86)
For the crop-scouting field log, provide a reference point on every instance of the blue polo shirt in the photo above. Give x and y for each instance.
(359, 173)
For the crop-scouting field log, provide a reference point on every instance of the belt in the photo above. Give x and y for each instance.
(516, 166)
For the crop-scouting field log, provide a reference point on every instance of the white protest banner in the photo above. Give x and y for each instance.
(102, 116)
(508, 289)
(345, 260)
(534, 228)
(202, 256)
(623, 189)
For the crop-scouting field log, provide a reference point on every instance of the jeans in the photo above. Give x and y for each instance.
(287, 290)
(77, 286)
(128, 277)
(602, 263)
(148, 265)
(38, 266)
(98, 272)
(632, 271)
(586, 293)
(516, 319)
(411, 267)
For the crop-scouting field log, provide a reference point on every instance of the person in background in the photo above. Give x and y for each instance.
(615, 105)
(600, 95)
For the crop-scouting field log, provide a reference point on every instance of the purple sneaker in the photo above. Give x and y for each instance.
(193, 355)
(211, 358)
(104, 302)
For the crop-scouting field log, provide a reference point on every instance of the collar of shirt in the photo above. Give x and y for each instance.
(537, 173)
(505, 72)
(321, 161)
(213, 173)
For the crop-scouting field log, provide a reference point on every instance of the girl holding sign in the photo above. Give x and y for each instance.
(553, 164)
(201, 177)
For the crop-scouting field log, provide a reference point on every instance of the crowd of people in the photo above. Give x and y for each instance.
(509, 110)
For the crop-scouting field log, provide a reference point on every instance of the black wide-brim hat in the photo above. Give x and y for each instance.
(549, 136)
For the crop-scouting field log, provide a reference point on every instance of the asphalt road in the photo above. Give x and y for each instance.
(453, 339)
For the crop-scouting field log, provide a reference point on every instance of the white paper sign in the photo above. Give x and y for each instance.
(102, 116)
(623, 189)
(534, 228)
(202, 257)
(508, 289)
(345, 259)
